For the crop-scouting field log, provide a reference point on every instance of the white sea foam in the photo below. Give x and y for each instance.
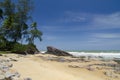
(99, 54)
(43, 52)
(102, 54)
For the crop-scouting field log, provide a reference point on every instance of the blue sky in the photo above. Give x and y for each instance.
(78, 24)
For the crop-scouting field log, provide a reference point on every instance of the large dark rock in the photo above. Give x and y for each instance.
(58, 52)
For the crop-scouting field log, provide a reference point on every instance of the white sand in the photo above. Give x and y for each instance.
(38, 69)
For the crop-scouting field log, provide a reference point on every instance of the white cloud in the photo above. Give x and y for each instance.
(107, 21)
(90, 22)
(93, 21)
(73, 17)
(106, 35)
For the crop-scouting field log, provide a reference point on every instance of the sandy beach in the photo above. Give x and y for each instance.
(50, 67)
(59, 39)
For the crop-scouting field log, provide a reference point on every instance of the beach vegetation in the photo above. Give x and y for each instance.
(3, 52)
(17, 26)
(24, 49)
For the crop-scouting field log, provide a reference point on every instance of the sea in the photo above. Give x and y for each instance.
(107, 54)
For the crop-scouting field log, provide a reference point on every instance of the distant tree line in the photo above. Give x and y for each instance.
(16, 26)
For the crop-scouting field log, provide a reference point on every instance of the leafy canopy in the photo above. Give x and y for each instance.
(14, 27)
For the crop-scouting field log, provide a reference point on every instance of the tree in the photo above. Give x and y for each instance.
(1, 14)
(15, 17)
(9, 27)
(24, 10)
(34, 33)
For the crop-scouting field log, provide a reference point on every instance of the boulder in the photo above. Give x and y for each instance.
(57, 52)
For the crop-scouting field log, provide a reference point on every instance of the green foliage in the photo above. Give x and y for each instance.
(15, 26)
(15, 18)
(3, 52)
(6, 45)
(34, 33)
(18, 48)
(23, 49)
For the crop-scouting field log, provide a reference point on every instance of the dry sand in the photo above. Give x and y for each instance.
(37, 68)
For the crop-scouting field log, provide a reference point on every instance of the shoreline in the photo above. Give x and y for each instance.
(110, 55)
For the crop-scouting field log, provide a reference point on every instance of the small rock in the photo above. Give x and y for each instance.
(61, 60)
(108, 73)
(16, 78)
(2, 77)
(6, 73)
(13, 59)
(4, 68)
(10, 74)
(27, 79)
(73, 66)
(17, 74)
(90, 68)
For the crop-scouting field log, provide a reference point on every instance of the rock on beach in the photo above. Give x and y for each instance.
(6, 70)
(57, 52)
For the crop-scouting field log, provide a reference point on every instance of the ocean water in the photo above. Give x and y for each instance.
(105, 54)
